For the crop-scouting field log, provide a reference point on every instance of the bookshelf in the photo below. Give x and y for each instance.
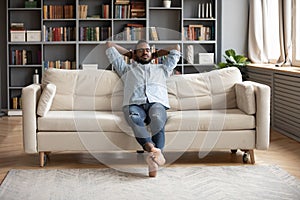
(74, 32)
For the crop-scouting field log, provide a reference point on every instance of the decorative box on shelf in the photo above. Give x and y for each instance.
(89, 66)
(206, 58)
(17, 36)
(33, 36)
(30, 4)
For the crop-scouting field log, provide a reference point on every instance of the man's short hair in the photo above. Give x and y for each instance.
(141, 42)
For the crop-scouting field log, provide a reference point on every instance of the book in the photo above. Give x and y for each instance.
(83, 10)
(138, 9)
(198, 32)
(59, 33)
(20, 57)
(122, 11)
(104, 13)
(205, 10)
(58, 64)
(153, 33)
(58, 11)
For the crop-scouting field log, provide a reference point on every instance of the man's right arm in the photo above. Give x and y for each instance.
(120, 49)
(114, 54)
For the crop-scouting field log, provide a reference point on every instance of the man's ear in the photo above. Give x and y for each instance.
(154, 55)
(134, 54)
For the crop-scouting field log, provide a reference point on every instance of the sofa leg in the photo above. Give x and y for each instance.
(247, 154)
(42, 159)
(252, 157)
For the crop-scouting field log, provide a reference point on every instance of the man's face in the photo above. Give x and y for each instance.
(143, 53)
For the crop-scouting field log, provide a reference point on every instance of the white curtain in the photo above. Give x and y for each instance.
(270, 31)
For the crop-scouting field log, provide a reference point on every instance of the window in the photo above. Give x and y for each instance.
(296, 34)
(272, 41)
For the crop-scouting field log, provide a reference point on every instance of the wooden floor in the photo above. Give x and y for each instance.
(283, 152)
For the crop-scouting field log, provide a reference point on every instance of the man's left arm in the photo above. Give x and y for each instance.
(173, 56)
(165, 51)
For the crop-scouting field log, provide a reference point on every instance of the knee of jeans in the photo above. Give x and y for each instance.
(135, 117)
(158, 114)
(158, 121)
(158, 117)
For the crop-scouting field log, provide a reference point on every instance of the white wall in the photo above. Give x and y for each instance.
(234, 22)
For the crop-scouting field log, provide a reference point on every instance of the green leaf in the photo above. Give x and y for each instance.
(228, 59)
(222, 65)
(240, 59)
(230, 52)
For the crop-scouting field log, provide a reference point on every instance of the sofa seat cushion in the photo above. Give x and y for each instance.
(83, 121)
(196, 120)
(211, 120)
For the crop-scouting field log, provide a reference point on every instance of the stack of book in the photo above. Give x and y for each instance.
(17, 102)
(133, 32)
(58, 11)
(94, 33)
(198, 32)
(153, 33)
(205, 10)
(58, 64)
(59, 33)
(104, 12)
(122, 9)
(20, 57)
(138, 9)
(83, 10)
(17, 26)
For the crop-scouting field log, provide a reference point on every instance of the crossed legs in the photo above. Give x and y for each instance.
(154, 114)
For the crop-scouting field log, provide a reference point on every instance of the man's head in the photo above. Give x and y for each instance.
(142, 52)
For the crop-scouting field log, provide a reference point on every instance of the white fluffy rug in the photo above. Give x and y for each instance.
(207, 182)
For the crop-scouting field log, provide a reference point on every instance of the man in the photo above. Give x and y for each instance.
(145, 94)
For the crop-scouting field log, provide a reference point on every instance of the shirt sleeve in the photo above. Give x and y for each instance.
(171, 60)
(117, 60)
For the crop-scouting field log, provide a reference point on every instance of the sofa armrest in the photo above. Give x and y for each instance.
(30, 97)
(262, 98)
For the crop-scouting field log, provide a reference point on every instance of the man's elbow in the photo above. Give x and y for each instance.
(177, 47)
(109, 44)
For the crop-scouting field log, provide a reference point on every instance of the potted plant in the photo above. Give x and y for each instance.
(234, 60)
(167, 3)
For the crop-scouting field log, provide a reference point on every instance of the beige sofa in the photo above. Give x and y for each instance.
(209, 111)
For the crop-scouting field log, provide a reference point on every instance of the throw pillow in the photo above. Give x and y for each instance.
(46, 99)
(245, 97)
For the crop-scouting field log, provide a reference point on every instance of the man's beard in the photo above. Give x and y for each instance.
(143, 62)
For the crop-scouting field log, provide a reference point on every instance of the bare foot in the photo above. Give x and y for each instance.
(158, 157)
(152, 165)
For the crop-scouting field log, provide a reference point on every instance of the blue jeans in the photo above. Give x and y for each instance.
(152, 114)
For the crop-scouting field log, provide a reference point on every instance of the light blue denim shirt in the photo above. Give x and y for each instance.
(144, 81)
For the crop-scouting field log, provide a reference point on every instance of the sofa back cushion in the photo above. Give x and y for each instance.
(210, 90)
(85, 89)
(103, 89)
